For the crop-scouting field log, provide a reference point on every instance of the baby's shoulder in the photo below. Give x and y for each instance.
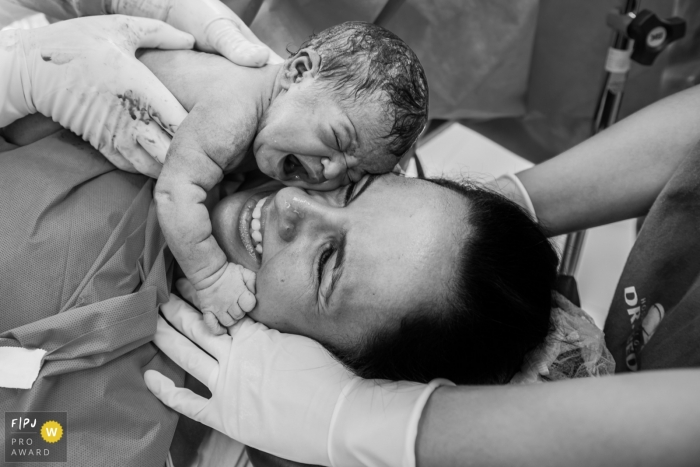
(223, 128)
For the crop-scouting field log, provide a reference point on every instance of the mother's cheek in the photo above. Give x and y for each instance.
(276, 305)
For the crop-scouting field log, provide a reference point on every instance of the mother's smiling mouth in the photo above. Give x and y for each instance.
(251, 235)
(256, 227)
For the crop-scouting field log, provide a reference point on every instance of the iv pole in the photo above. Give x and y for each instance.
(638, 36)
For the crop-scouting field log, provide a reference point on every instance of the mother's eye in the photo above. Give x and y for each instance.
(348, 193)
(323, 259)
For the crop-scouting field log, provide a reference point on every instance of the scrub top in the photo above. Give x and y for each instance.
(654, 319)
(83, 269)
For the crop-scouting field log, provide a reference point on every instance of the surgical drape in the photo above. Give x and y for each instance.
(83, 268)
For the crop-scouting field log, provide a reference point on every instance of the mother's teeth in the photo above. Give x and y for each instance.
(255, 226)
(257, 212)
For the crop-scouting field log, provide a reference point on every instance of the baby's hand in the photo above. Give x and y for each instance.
(228, 298)
(189, 293)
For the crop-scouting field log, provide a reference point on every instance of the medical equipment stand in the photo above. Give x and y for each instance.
(639, 36)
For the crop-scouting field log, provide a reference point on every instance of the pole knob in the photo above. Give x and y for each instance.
(650, 33)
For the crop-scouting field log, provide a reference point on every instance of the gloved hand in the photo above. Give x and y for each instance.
(511, 187)
(83, 74)
(285, 394)
(214, 26)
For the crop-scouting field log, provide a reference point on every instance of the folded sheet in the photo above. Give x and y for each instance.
(19, 367)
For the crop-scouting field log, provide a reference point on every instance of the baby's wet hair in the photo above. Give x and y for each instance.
(359, 59)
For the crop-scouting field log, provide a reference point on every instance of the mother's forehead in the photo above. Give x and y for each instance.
(407, 257)
(392, 282)
(427, 190)
(431, 211)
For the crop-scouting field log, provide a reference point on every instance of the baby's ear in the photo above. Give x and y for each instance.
(304, 65)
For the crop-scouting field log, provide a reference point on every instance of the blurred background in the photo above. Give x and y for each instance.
(524, 73)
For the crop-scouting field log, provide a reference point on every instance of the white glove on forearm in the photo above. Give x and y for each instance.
(83, 74)
(376, 422)
(511, 186)
(285, 394)
(214, 26)
(13, 79)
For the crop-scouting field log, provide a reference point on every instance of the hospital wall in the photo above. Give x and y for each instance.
(537, 64)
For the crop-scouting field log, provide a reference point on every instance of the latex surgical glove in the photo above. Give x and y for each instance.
(83, 74)
(214, 26)
(228, 298)
(510, 186)
(285, 394)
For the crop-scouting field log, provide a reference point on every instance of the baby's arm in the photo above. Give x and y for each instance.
(217, 131)
(209, 141)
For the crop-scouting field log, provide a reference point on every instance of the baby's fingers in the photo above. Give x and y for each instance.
(248, 280)
(222, 316)
(212, 323)
(235, 311)
(246, 302)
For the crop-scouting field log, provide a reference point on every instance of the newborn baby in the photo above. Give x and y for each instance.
(351, 101)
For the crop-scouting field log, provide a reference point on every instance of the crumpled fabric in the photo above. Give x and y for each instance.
(83, 269)
(574, 348)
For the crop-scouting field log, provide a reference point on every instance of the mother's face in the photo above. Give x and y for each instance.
(337, 264)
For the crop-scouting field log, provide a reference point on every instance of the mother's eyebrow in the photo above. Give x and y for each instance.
(371, 179)
(340, 256)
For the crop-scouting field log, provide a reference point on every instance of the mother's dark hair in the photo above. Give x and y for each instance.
(496, 310)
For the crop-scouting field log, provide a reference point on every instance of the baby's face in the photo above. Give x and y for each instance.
(308, 140)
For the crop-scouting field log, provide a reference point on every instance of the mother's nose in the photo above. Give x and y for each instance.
(294, 209)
